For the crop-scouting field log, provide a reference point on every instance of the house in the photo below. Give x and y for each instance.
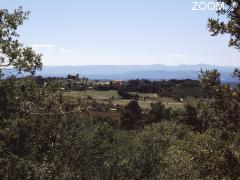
(118, 82)
(103, 83)
(73, 77)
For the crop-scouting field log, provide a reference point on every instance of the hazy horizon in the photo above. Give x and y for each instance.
(200, 64)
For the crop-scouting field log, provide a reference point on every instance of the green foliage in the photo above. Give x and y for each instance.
(12, 52)
(236, 73)
(229, 25)
(172, 88)
(131, 115)
(158, 112)
(153, 145)
(190, 117)
(222, 102)
(125, 95)
(44, 136)
(210, 81)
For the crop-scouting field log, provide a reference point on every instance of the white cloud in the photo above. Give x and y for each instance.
(47, 48)
(42, 46)
(177, 55)
(67, 51)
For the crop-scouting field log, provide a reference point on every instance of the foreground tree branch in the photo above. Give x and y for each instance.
(14, 54)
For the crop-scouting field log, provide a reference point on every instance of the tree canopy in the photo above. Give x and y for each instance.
(44, 136)
(13, 54)
(230, 23)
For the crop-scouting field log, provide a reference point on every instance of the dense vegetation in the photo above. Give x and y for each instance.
(172, 88)
(165, 88)
(43, 136)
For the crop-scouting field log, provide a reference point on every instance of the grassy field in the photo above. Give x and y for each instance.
(104, 96)
(98, 95)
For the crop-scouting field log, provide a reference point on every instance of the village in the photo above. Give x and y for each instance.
(112, 95)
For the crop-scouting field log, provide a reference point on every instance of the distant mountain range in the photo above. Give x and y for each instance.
(126, 72)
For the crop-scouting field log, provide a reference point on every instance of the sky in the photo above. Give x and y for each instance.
(122, 32)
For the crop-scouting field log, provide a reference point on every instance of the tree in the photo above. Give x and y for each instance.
(158, 112)
(223, 99)
(122, 93)
(231, 26)
(13, 54)
(236, 73)
(125, 95)
(221, 107)
(131, 115)
(210, 81)
(191, 116)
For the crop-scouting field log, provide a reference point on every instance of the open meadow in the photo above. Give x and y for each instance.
(145, 99)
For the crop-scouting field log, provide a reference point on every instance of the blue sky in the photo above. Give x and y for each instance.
(89, 32)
